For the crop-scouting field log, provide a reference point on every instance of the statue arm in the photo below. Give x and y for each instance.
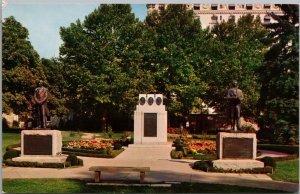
(36, 99)
(45, 98)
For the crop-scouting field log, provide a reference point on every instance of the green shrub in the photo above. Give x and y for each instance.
(34, 164)
(176, 154)
(269, 161)
(11, 154)
(201, 165)
(80, 162)
(117, 146)
(289, 149)
(72, 158)
(205, 157)
(12, 146)
(179, 147)
(109, 151)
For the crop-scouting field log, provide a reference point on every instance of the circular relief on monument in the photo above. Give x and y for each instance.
(158, 100)
(205, 6)
(257, 6)
(150, 101)
(142, 100)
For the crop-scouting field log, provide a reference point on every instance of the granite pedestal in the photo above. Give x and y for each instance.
(237, 151)
(44, 146)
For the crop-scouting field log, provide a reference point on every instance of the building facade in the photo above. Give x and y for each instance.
(210, 14)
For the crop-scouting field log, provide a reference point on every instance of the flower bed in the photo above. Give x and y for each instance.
(92, 144)
(92, 148)
(201, 146)
(194, 149)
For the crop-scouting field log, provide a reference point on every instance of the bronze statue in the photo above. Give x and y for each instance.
(40, 99)
(235, 96)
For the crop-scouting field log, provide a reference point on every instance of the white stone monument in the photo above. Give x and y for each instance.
(150, 120)
(43, 146)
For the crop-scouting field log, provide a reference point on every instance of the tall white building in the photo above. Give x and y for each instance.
(210, 14)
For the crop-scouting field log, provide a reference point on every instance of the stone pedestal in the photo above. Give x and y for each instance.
(237, 151)
(150, 120)
(41, 146)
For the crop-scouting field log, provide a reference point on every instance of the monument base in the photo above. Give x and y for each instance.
(41, 159)
(237, 164)
(151, 145)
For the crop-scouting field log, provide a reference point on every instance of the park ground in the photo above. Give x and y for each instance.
(74, 180)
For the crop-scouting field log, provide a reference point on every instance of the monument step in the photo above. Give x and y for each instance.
(235, 164)
(151, 145)
(41, 159)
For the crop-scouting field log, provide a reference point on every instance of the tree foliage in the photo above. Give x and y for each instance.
(235, 53)
(177, 38)
(21, 68)
(279, 102)
(102, 58)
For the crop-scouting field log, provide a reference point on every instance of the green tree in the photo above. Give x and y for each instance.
(56, 85)
(102, 57)
(279, 102)
(178, 39)
(235, 52)
(21, 68)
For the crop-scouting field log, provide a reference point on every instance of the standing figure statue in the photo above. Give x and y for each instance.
(40, 99)
(235, 96)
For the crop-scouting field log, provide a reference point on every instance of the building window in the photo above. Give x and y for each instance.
(222, 6)
(214, 19)
(249, 6)
(231, 6)
(267, 6)
(221, 18)
(267, 19)
(241, 6)
(196, 6)
(151, 6)
(231, 17)
(214, 6)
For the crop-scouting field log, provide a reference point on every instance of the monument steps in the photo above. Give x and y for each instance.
(151, 145)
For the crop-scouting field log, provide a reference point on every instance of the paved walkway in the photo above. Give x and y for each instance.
(163, 169)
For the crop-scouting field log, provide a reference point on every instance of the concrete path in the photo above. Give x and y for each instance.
(163, 169)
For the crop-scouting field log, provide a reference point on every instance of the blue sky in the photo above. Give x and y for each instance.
(44, 20)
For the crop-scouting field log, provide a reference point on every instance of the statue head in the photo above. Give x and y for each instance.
(234, 83)
(40, 83)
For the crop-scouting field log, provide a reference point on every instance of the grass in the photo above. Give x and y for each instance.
(287, 171)
(10, 138)
(77, 186)
(114, 135)
(71, 135)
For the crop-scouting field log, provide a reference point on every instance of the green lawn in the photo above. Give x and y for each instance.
(10, 138)
(77, 186)
(71, 135)
(287, 171)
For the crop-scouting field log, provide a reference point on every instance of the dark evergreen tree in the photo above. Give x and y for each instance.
(279, 101)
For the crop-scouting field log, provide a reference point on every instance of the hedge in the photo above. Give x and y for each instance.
(36, 164)
(289, 149)
(95, 154)
(207, 166)
(12, 146)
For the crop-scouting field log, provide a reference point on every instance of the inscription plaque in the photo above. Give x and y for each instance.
(37, 144)
(240, 148)
(150, 124)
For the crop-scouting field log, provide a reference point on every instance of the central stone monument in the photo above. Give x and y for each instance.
(150, 120)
